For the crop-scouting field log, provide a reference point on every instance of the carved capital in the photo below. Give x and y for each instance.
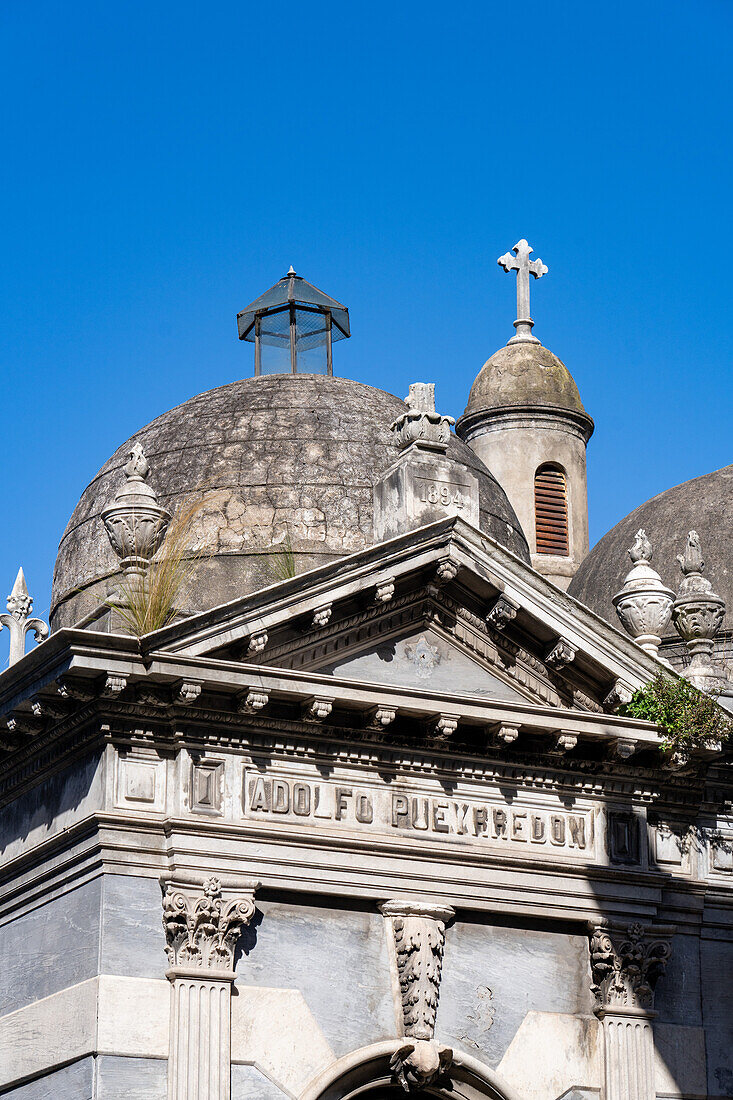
(249, 702)
(114, 685)
(202, 926)
(381, 716)
(418, 939)
(321, 615)
(626, 964)
(317, 709)
(508, 734)
(619, 695)
(384, 590)
(257, 642)
(188, 692)
(561, 654)
(502, 613)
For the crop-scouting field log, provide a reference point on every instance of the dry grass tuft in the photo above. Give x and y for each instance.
(151, 602)
(282, 564)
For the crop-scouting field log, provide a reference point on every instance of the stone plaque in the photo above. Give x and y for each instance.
(420, 489)
(493, 822)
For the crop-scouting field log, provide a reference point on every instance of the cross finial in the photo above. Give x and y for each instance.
(17, 620)
(524, 267)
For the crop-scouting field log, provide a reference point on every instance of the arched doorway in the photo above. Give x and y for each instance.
(365, 1074)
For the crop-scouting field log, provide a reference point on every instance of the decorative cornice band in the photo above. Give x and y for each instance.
(518, 416)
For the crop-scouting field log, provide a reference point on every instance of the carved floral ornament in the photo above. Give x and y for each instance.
(202, 927)
(421, 424)
(418, 940)
(626, 965)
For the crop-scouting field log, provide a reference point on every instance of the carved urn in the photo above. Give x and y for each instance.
(644, 604)
(421, 424)
(698, 611)
(135, 523)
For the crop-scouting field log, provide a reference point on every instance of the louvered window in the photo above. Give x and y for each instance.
(551, 511)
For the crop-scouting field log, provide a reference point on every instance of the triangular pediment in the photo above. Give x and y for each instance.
(499, 629)
(424, 659)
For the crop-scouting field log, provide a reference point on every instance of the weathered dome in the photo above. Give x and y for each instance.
(702, 505)
(524, 374)
(273, 458)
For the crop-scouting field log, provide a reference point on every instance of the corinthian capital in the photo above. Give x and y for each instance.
(627, 963)
(202, 926)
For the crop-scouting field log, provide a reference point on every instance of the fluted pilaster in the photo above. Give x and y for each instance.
(628, 1049)
(202, 929)
(627, 963)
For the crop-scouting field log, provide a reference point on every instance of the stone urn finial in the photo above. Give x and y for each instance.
(697, 612)
(644, 604)
(135, 523)
(421, 424)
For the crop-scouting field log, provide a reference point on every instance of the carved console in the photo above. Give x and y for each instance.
(626, 964)
(417, 937)
(202, 927)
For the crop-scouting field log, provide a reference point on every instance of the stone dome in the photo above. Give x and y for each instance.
(275, 457)
(702, 505)
(524, 374)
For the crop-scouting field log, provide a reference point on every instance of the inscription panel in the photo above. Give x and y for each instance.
(509, 825)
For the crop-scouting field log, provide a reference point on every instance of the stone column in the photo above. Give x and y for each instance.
(202, 929)
(626, 964)
(417, 940)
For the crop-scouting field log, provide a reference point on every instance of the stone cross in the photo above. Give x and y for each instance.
(20, 605)
(524, 267)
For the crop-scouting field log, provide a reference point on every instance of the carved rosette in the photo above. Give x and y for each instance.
(644, 604)
(626, 965)
(135, 523)
(421, 424)
(697, 612)
(202, 928)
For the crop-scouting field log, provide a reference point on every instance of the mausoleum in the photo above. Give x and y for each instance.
(322, 782)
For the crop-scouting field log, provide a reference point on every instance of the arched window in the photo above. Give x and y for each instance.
(551, 511)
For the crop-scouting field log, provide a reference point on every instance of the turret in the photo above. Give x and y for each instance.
(526, 422)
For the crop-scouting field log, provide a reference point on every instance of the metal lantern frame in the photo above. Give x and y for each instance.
(290, 302)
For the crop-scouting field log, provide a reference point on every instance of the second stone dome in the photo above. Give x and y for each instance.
(524, 374)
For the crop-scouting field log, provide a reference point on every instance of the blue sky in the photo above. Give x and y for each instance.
(165, 163)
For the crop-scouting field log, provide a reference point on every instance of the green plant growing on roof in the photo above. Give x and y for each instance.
(687, 717)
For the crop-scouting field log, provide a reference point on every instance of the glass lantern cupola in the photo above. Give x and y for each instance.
(293, 327)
